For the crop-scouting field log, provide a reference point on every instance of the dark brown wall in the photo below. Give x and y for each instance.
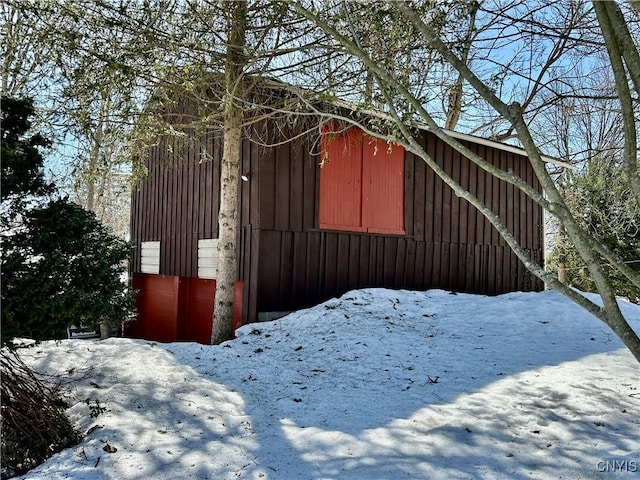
(448, 245)
(286, 263)
(299, 269)
(177, 203)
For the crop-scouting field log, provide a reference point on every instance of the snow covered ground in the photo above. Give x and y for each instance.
(378, 384)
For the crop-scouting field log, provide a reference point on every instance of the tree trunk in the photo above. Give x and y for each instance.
(229, 175)
(610, 312)
(455, 96)
(562, 273)
(613, 29)
(89, 176)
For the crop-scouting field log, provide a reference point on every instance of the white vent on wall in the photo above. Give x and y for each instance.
(150, 257)
(208, 258)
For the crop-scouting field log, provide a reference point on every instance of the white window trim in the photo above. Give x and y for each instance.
(150, 257)
(208, 258)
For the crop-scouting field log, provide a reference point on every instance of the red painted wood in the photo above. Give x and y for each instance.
(157, 307)
(361, 183)
(340, 179)
(174, 308)
(197, 301)
(382, 187)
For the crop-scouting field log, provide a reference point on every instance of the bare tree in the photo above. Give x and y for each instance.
(129, 69)
(235, 63)
(26, 60)
(625, 64)
(454, 107)
(514, 107)
(80, 107)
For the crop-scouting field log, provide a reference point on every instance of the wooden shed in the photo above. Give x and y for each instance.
(323, 213)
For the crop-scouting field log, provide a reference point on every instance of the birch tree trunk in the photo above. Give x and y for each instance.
(229, 174)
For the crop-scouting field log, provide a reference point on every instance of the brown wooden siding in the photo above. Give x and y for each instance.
(299, 269)
(286, 262)
(448, 244)
(177, 203)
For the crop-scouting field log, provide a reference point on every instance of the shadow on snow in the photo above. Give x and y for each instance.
(449, 389)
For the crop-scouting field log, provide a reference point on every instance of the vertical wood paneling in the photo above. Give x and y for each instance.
(341, 181)
(400, 277)
(251, 299)
(268, 278)
(480, 185)
(288, 263)
(420, 222)
(488, 198)
(244, 188)
(364, 265)
(330, 263)
(435, 186)
(382, 187)
(342, 267)
(455, 280)
(409, 272)
(503, 201)
(266, 177)
(310, 185)
(376, 262)
(463, 221)
(462, 250)
(444, 272)
(372, 261)
(285, 281)
(525, 210)
(299, 288)
(389, 250)
(211, 189)
(472, 213)
(253, 204)
(421, 278)
(200, 174)
(354, 251)
(189, 230)
(409, 199)
(499, 277)
(283, 187)
(313, 275)
(173, 205)
(469, 269)
(214, 199)
(296, 204)
(446, 204)
(166, 211)
(511, 219)
(454, 219)
(537, 225)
